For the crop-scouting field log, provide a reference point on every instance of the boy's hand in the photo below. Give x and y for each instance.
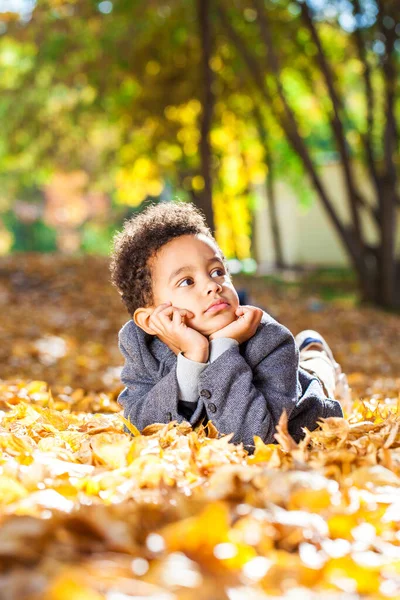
(168, 322)
(244, 327)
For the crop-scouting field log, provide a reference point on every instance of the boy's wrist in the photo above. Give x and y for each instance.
(199, 354)
(219, 335)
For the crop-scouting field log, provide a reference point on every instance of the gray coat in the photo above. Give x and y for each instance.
(243, 390)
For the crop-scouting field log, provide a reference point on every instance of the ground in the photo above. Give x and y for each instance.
(61, 317)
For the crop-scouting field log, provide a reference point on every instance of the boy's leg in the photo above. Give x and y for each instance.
(316, 357)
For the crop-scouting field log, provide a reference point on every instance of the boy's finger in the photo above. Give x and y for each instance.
(154, 326)
(162, 317)
(252, 311)
(166, 315)
(177, 317)
(167, 312)
(248, 308)
(258, 313)
(245, 313)
(255, 319)
(160, 308)
(186, 313)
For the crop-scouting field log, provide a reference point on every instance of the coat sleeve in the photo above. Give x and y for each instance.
(249, 401)
(146, 400)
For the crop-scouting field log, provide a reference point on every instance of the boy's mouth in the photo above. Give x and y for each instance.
(217, 305)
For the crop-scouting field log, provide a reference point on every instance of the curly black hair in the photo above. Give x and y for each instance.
(140, 239)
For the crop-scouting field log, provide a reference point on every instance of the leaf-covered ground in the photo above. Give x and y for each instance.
(90, 513)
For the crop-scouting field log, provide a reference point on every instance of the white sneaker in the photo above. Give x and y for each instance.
(309, 339)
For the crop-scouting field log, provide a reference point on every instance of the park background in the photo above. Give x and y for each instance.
(280, 120)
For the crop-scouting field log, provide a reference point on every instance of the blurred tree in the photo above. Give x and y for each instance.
(125, 91)
(29, 236)
(353, 51)
(142, 97)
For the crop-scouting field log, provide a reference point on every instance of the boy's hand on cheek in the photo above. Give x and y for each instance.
(244, 327)
(168, 323)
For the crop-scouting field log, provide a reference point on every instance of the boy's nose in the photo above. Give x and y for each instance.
(213, 287)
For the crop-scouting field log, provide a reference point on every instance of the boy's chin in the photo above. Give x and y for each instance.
(220, 323)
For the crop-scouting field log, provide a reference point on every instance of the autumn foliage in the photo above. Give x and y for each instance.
(89, 512)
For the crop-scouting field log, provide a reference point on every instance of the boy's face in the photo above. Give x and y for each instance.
(189, 273)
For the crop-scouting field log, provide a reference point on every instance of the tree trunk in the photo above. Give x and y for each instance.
(205, 197)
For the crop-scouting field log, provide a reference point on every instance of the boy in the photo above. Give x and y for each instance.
(192, 352)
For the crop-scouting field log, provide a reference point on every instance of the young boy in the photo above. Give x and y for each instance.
(192, 352)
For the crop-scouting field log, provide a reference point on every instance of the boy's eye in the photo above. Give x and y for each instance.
(185, 282)
(218, 273)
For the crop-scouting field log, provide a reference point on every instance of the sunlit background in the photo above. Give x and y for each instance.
(278, 118)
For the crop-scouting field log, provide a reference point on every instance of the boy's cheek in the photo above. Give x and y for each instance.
(194, 323)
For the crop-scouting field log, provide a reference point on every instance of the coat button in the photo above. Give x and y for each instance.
(205, 394)
(212, 408)
(169, 416)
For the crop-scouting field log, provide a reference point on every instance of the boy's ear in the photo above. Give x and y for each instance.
(141, 317)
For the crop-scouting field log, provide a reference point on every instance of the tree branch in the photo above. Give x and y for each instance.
(370, 96)
(353, 194)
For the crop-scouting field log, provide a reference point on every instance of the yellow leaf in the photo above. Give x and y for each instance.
(134, 431)
(150, 471)
(312, 500)
(110, 449)
(366, 580)
(262, 453)
(340, 526)
(10, 490)
(35, 387)
(203, 531)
